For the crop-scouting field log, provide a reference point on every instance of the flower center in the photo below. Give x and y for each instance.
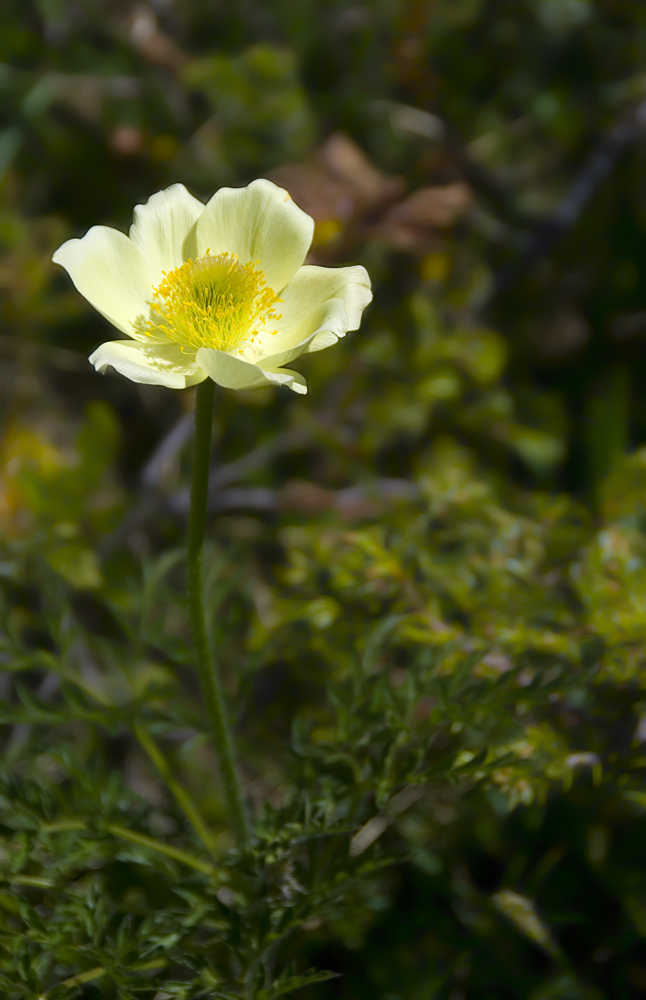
(212, 302)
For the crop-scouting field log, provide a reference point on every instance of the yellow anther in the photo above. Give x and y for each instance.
(212, 302)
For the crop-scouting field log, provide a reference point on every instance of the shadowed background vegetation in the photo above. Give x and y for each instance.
(427, 578)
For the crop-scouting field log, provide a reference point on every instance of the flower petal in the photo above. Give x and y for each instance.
(235, 373)
(110, 271)
(314, 284)
(257, 223)
(283, 376)
(329, 322)
(164, 229)
(153, 364)
(305, 308)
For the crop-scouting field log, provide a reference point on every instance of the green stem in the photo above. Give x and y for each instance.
(206, 665)
(182, 797)
(125, 834)
(156, 845)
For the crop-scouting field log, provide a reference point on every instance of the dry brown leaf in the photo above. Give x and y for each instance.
(340, 189)
(409, 225)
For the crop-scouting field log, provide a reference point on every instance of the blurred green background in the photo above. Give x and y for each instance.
(485, 160)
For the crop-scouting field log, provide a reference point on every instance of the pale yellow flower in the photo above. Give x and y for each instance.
(216, 290)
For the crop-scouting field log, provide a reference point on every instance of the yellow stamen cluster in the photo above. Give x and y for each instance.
(212, 302)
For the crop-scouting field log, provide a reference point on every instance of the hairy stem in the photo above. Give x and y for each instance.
(205, 660)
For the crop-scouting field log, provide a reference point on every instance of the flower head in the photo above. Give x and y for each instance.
(214, 291)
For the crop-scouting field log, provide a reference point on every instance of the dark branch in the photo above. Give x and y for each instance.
(596, 168)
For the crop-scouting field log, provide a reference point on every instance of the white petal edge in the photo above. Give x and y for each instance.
(313, 284)
(282, 376)
(305, 302)
(259, 222)
(150, 365)
(111, 273)
(329, 322)
(235, 373)
(164, 229)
